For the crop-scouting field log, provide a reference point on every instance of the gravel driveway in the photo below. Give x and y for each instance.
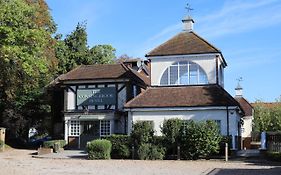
(21, 162)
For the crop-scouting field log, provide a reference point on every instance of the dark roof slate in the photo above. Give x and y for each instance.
(245, 105)
(183, 96)
(182, 44)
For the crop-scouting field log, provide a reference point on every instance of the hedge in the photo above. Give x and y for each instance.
(99, 149)
(274, 156)
(121, 146)
(149, 151)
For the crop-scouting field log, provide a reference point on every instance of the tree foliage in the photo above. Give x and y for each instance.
(73, 51)
(267, 118)
(25, 62)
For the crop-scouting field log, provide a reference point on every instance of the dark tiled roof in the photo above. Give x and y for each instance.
(97, 71)
(266, 105)
(101, 72)
(245, 105)
(182, 44)
(183, 96)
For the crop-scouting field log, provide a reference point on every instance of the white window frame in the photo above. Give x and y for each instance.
(74, 128)
(104, 131)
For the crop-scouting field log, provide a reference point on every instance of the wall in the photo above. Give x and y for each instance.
(247, 126)
(160, 64)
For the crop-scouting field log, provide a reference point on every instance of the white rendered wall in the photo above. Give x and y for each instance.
(70, 100)
(247, 126)
(159, 116)
(160, 64)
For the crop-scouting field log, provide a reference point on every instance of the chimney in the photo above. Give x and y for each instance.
(187, 24)
(238, 91)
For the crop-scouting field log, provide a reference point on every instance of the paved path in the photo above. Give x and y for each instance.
(21, 162)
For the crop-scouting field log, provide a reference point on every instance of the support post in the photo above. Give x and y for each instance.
(226, 152)
(263, 140)
(178, 152)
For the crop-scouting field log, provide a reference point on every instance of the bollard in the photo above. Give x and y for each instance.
(226, 152)
(133, 152)
(179, 152)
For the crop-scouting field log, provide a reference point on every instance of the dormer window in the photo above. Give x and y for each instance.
(184, 73)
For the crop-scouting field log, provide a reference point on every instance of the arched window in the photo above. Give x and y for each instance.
(184, 73)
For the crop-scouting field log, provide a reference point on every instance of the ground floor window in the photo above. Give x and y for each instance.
(74, 128)
(105, 128)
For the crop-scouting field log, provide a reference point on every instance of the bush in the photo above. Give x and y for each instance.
(274, 156)
(148, 151)
(99, 149)
(120, 146)
(51, 143)
(143, 132)
(171, 132)
(199, 139)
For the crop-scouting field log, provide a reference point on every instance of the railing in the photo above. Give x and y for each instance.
(273, 141)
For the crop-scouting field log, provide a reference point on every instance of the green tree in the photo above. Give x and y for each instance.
(24, 63)
(73, 51)
(267, 117)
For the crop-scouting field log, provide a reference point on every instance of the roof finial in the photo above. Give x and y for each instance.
(187, 20)
(239, 89)
(188, 8)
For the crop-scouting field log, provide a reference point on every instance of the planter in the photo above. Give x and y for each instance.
(42, 151)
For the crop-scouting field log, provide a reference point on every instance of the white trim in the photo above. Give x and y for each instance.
(181, 108)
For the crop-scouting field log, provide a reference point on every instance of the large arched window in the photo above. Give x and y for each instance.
(184, 73)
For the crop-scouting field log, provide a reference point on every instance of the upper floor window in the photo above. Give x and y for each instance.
(184, 73)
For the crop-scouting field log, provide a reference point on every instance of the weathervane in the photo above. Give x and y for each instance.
(188, 8)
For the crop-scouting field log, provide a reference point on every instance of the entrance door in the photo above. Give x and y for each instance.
(89, 131)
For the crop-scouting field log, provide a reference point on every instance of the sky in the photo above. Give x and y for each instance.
(248, 33)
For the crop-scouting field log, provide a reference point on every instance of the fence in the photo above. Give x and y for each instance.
(273, 141)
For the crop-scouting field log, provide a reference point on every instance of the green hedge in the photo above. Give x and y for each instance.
(121, 145)
(149, 151)
(274, 156)
(51, 143)
(99, 149)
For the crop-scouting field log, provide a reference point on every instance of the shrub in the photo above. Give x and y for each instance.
(274, 156)
(120, 146)
(149, 151)
(199, 139)
(143, 132)
(171, 132)
(99, 149)
(51, 143)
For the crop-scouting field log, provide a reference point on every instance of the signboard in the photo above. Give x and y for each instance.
(96, 96)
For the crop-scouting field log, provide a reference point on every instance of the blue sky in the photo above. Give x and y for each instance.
(247, 32)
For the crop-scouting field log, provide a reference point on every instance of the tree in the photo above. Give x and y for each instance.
(73, 51)
(267, 117)
(24, 63)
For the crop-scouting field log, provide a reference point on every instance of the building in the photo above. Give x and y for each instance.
(88, 101)
(182, 78)
(187, 80)
(247, 119)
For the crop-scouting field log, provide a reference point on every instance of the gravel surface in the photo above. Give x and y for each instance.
(21, 162)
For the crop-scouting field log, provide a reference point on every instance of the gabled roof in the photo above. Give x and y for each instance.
(245, 105)
(101, 72)
(182, 44)
(183, 96)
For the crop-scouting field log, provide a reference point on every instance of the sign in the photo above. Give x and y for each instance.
(96, 96)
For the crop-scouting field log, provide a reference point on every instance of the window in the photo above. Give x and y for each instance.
(105, 128)
(74, 128)
(184, 73)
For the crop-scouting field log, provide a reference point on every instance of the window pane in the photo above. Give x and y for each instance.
(202, 77)
(164, 78)
(183, 75)
(173, 74)
(193, 68)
